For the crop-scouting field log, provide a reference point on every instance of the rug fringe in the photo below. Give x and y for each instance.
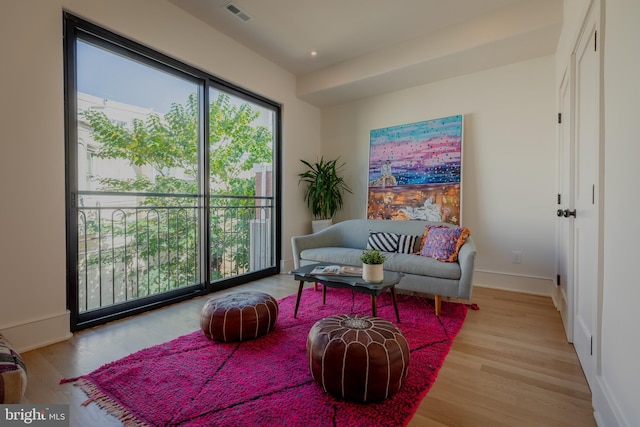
(103, 401)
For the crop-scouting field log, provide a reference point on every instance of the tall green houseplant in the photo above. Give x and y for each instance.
(325, 187)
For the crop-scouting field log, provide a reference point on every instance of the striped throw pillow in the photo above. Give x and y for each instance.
(407, 244)
(386, 242)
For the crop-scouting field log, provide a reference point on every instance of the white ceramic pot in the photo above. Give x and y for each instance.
(320, 224)
(372, 273)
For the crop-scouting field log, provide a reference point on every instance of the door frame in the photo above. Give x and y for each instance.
(592, 20)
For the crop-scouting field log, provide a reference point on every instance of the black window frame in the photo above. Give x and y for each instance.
(76, 28)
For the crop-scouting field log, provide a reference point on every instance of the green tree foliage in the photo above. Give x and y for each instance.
(172, 142)
(167, 144)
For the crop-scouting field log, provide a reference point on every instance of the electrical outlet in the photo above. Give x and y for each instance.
(516, 257)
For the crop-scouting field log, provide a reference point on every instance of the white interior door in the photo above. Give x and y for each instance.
(566, 203)
(587, 187)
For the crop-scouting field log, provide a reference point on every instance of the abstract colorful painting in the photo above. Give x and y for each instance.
(415, 171)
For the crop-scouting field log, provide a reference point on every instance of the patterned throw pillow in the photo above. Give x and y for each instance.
(443, 243)
(386, 242)
(13, 374)
(406, 244)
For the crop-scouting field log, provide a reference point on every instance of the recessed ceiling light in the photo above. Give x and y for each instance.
(314, 53)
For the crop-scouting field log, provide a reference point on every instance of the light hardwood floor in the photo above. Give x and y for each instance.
(510, 365)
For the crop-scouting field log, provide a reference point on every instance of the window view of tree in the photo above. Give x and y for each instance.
(240, 155)
(140, 181)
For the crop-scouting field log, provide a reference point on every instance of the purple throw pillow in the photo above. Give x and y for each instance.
(443, 243)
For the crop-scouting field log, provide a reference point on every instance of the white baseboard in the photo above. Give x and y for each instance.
(606, 411)
(37, 333)
(558, 298)
(514, 282)
(286, 265)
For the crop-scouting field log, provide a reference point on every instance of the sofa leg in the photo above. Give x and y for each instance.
(437, 302)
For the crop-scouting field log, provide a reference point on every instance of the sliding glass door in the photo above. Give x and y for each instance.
(170, 178)
(241, 141)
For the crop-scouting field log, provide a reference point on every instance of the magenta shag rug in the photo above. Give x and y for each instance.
(192, 381)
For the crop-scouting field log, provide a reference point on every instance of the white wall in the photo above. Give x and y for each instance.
(620, 339)
(32, 165)
(508, 167)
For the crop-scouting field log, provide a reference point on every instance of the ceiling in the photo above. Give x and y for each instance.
(366, 47)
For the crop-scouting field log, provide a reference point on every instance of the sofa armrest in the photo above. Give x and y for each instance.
(329, 237)
(466, 259)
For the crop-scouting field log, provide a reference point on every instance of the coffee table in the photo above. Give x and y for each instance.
(358, 284)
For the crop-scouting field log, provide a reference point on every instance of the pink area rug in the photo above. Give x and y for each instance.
(192, 381)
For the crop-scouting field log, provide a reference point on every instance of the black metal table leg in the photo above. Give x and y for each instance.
(295, 313)
(395, 302)
(374, 305)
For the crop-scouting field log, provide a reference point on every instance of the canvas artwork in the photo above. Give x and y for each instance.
(415, 171)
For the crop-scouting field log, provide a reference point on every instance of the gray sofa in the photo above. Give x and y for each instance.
(342, 243)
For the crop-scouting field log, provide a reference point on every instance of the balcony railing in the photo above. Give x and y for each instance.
(131, 247)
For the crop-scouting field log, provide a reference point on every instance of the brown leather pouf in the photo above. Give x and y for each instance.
(239, 316)
(358, 358)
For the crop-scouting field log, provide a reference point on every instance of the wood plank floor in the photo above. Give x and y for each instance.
(510, 365)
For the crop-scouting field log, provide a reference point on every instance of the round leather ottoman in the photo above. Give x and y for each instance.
(239, 316)
(358, 358)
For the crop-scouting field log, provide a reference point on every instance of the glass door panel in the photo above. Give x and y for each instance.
(137, 179)
(241, 153)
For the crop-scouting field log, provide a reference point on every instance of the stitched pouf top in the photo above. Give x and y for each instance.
(13, 374)
(358, 358)
(239, 316)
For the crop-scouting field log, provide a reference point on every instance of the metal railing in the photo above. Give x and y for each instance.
(139, 245)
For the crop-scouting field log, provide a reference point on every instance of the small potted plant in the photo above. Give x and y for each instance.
(372, 261)
(325, 188)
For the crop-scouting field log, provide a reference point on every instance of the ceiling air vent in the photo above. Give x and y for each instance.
(237, 12)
